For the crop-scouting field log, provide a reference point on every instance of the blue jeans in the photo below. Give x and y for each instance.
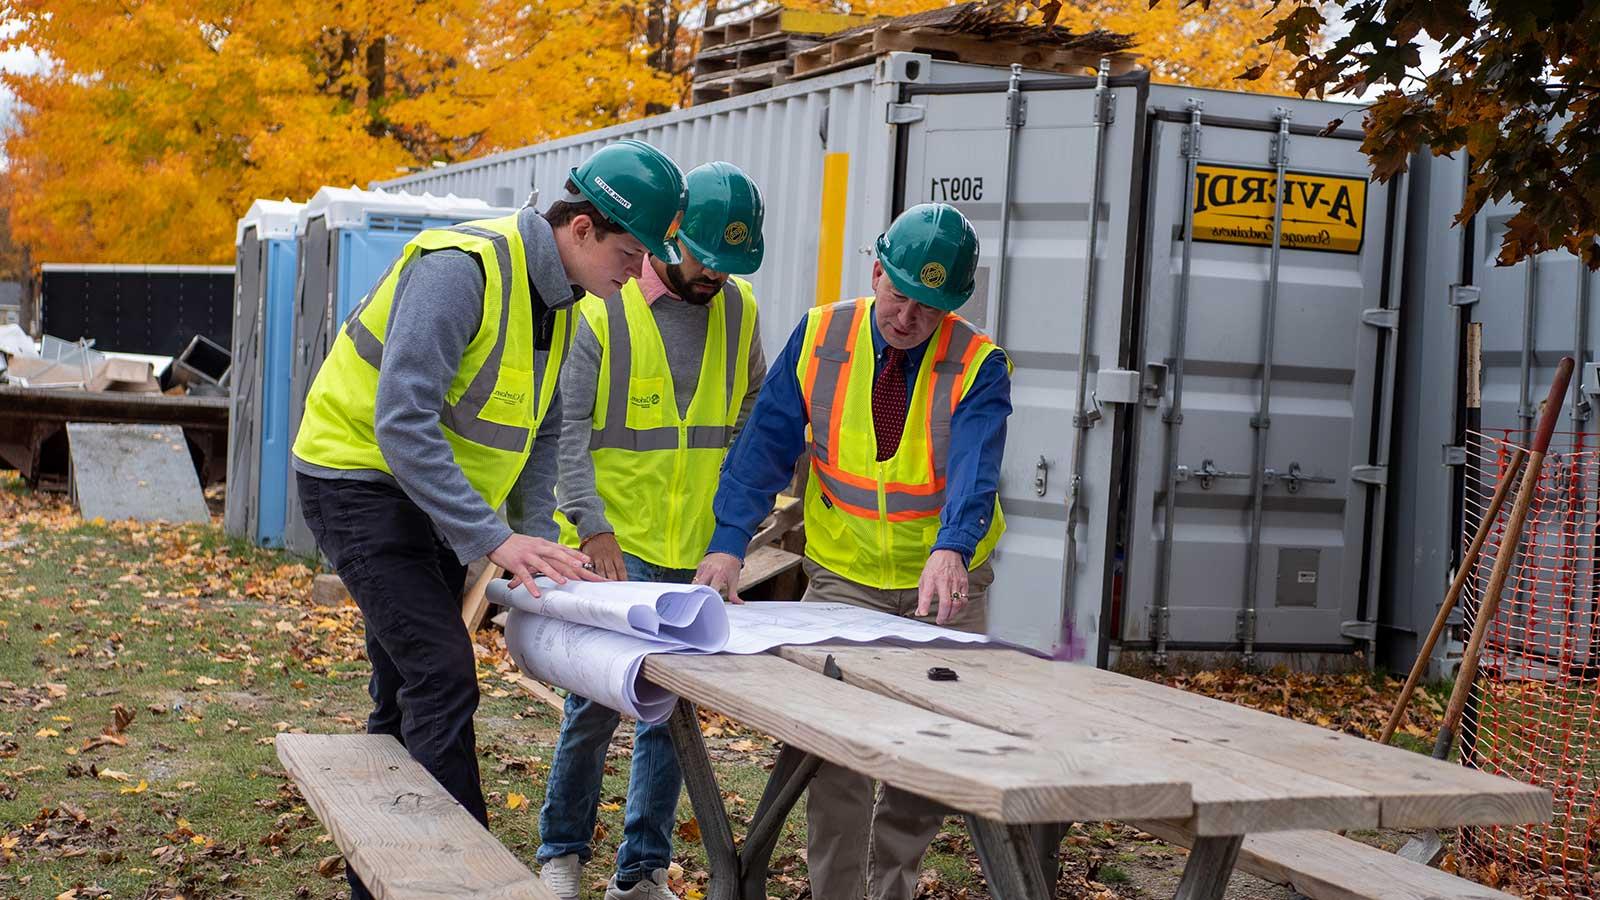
(572, 797)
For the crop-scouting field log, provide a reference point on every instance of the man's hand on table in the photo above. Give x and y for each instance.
(527, 557)
(721, 572)
(944, 578)
(607, 555)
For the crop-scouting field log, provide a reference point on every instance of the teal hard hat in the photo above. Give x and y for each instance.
(638, 187)
(722, 223)
(930, 254)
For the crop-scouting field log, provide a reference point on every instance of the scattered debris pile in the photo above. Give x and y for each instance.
(52, 363)
(986, 32)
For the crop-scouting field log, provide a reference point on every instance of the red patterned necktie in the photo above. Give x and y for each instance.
(889, 402)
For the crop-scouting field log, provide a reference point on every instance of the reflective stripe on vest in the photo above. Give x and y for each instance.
(616, 435)
(462, 415)
(824, 388)
(875, 521)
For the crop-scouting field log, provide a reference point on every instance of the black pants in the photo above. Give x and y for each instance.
(408, 582)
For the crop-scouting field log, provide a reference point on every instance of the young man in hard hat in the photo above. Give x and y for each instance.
(437, 404)
(658, 380)
(906, 405)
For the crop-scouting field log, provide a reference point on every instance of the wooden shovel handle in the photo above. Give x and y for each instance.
(1504, 555)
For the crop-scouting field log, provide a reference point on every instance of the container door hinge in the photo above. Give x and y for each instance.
(1464, 294)
(1359, 631)
(1382, 317)
(1454, 455)
(1377, 476)
(905, 113)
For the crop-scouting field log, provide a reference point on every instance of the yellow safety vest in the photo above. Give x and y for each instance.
(657, 471)
(876, 522)
(496, 400)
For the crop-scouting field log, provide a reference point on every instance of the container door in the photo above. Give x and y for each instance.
(1268, 364)
(276, 368)
(244, 445)
(1033, 287)
(313, 313)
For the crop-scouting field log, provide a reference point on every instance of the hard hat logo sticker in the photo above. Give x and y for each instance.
(611, 192)
(932, 275)
(672, 230)
(736, 233)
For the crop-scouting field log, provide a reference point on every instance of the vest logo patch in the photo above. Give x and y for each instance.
(513, 397)
(645, 401)
(736, 233)
(932, 275)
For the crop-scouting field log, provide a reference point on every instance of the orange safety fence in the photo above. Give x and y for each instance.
(1533, 711)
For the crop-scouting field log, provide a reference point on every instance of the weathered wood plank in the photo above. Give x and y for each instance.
(1233, 794)
(476, 602)
(1324, 866)
(1413, 790)
(765, 564)
(398, 829)
(972, 769)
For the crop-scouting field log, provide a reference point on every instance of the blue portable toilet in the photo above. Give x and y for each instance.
(348, 239)
(258, 449)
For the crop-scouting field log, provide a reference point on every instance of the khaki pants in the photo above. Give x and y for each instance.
(858, 840)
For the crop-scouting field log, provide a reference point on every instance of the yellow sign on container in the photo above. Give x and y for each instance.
(1234, 205)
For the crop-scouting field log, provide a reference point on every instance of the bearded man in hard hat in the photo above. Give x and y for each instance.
(906, 404)
(437, 403)
(658, 380)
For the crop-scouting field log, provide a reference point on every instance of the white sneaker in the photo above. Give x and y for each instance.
(651, 887)
(563, 876)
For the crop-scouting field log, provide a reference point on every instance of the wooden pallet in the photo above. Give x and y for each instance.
(754, 52)
(778, 21)
(740, 81)
(857, 49)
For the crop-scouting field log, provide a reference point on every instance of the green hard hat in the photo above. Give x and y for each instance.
(722, 224)
(638, 187)
(930, 254)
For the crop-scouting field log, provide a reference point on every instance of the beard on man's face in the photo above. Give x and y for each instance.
(698, 291)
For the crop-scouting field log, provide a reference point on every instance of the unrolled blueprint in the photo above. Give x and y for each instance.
(592, 638)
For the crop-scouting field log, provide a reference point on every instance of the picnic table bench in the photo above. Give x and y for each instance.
(1019, 744)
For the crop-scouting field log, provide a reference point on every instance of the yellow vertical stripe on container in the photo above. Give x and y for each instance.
(830, 226)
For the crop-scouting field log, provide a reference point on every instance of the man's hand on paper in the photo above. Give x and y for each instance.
(607, 555)
(944, 578)
(527, 557)
(721, 572)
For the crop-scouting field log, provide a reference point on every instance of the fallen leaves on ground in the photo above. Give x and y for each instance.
(1355, 703)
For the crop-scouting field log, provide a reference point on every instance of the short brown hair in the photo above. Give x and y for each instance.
(562, 212)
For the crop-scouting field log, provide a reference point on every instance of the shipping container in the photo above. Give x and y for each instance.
(348, 239)
(136, 309)
(1203, 395)
(258, 452)
(1506, 327)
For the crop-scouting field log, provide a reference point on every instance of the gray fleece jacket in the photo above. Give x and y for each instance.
(437, 308)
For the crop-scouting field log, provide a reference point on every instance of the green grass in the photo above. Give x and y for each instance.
(214, 647)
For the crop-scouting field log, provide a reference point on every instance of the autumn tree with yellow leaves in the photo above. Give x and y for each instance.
(156, 122)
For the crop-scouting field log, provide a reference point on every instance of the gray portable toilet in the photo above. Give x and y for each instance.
(264, 246)
(348, 239)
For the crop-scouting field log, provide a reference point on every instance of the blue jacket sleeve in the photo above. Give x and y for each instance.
(761, 461)
(977, 442)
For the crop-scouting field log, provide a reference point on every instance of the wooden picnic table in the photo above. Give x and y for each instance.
(1021, 745)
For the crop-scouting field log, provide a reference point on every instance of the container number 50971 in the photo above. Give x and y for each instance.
(955, 189)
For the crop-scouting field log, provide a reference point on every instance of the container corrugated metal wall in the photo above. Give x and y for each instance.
(838, 156)
(804, 144)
